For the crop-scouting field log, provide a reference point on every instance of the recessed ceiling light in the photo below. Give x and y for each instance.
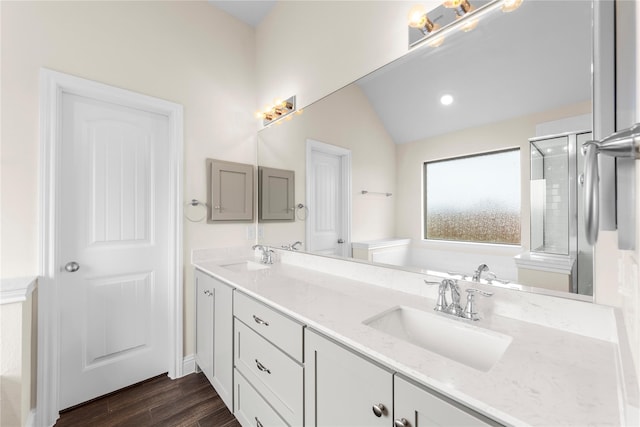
(446, 99)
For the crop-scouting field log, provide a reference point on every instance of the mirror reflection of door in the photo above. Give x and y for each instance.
(328, 189)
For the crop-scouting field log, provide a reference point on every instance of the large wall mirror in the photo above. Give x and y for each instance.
(453, 156)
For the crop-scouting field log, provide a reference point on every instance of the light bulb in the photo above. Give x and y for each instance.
(417, 16)
(451, 4)
(510, 5)
(259, 115)
(277, 101)
(266, 109)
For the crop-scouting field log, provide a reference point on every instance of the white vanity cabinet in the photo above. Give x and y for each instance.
(416, 406)
(214, 333)
(268, 365)
(344, 389)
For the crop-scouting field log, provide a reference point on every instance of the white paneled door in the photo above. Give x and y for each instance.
(113, 238)
(328, 192)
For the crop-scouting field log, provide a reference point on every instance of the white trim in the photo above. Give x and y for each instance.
(16, 289)
(52, 85)
(31, 419)
(345, 157)
(188, 365)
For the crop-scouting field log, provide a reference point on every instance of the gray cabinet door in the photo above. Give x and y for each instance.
(230, 191)
(275, 194)
(341, 388)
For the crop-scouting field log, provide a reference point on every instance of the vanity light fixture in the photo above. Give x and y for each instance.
(451, 15)
(279, 109)
(418, 19)
(461, 7)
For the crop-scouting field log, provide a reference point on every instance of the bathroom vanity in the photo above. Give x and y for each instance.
(312, 348)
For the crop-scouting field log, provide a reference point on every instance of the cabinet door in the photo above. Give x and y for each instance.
(230, 191)
(342, 388)
(275, 194)
(223, 342)
(214, 334)
(204, 323)
(416, 406)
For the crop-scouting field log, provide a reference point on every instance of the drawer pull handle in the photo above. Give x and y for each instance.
(262, 367)
(378, 409)
(258, 423)
(259, 321)
(402, 422)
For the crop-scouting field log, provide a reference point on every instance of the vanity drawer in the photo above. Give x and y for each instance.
(276, 376)
(250, 408)
(281, 330)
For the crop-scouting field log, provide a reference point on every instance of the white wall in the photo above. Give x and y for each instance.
(345, 119)
(186, 52)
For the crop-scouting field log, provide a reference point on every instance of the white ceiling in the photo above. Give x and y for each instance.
(251, 12)
(531, 60)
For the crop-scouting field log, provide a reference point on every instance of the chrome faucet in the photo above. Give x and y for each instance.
(293, 246)
(492, 277)
(477, 275)
(470, 308)
(266, 254)
(442, 305)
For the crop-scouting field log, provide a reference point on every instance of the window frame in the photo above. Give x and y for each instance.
(518, 150)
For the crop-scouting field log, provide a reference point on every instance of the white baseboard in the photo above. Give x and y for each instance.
(31, 419)
(188, 365)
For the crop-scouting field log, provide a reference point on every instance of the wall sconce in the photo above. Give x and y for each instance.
(280, 109)
(451, 15)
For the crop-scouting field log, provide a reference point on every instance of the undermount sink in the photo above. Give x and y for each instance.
(452, 338)
(245, 266)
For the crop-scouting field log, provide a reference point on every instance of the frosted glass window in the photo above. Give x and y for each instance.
(474, 199)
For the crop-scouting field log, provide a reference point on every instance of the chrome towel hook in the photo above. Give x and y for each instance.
(624, 144)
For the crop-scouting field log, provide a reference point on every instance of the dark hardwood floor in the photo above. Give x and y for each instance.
(187, 401)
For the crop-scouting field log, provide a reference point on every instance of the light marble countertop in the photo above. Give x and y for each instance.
(546, 377)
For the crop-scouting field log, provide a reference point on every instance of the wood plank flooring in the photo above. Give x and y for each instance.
(189, 401)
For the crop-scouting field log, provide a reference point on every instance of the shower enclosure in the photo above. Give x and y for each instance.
(557, 205)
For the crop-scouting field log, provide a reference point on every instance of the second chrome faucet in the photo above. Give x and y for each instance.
(454, 308)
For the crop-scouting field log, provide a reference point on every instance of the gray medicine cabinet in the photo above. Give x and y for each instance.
(275, 194)
(229, 191)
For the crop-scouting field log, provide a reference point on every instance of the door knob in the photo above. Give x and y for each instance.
(72, 267)
(402, 422)
(378, 409)
(340, 241)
